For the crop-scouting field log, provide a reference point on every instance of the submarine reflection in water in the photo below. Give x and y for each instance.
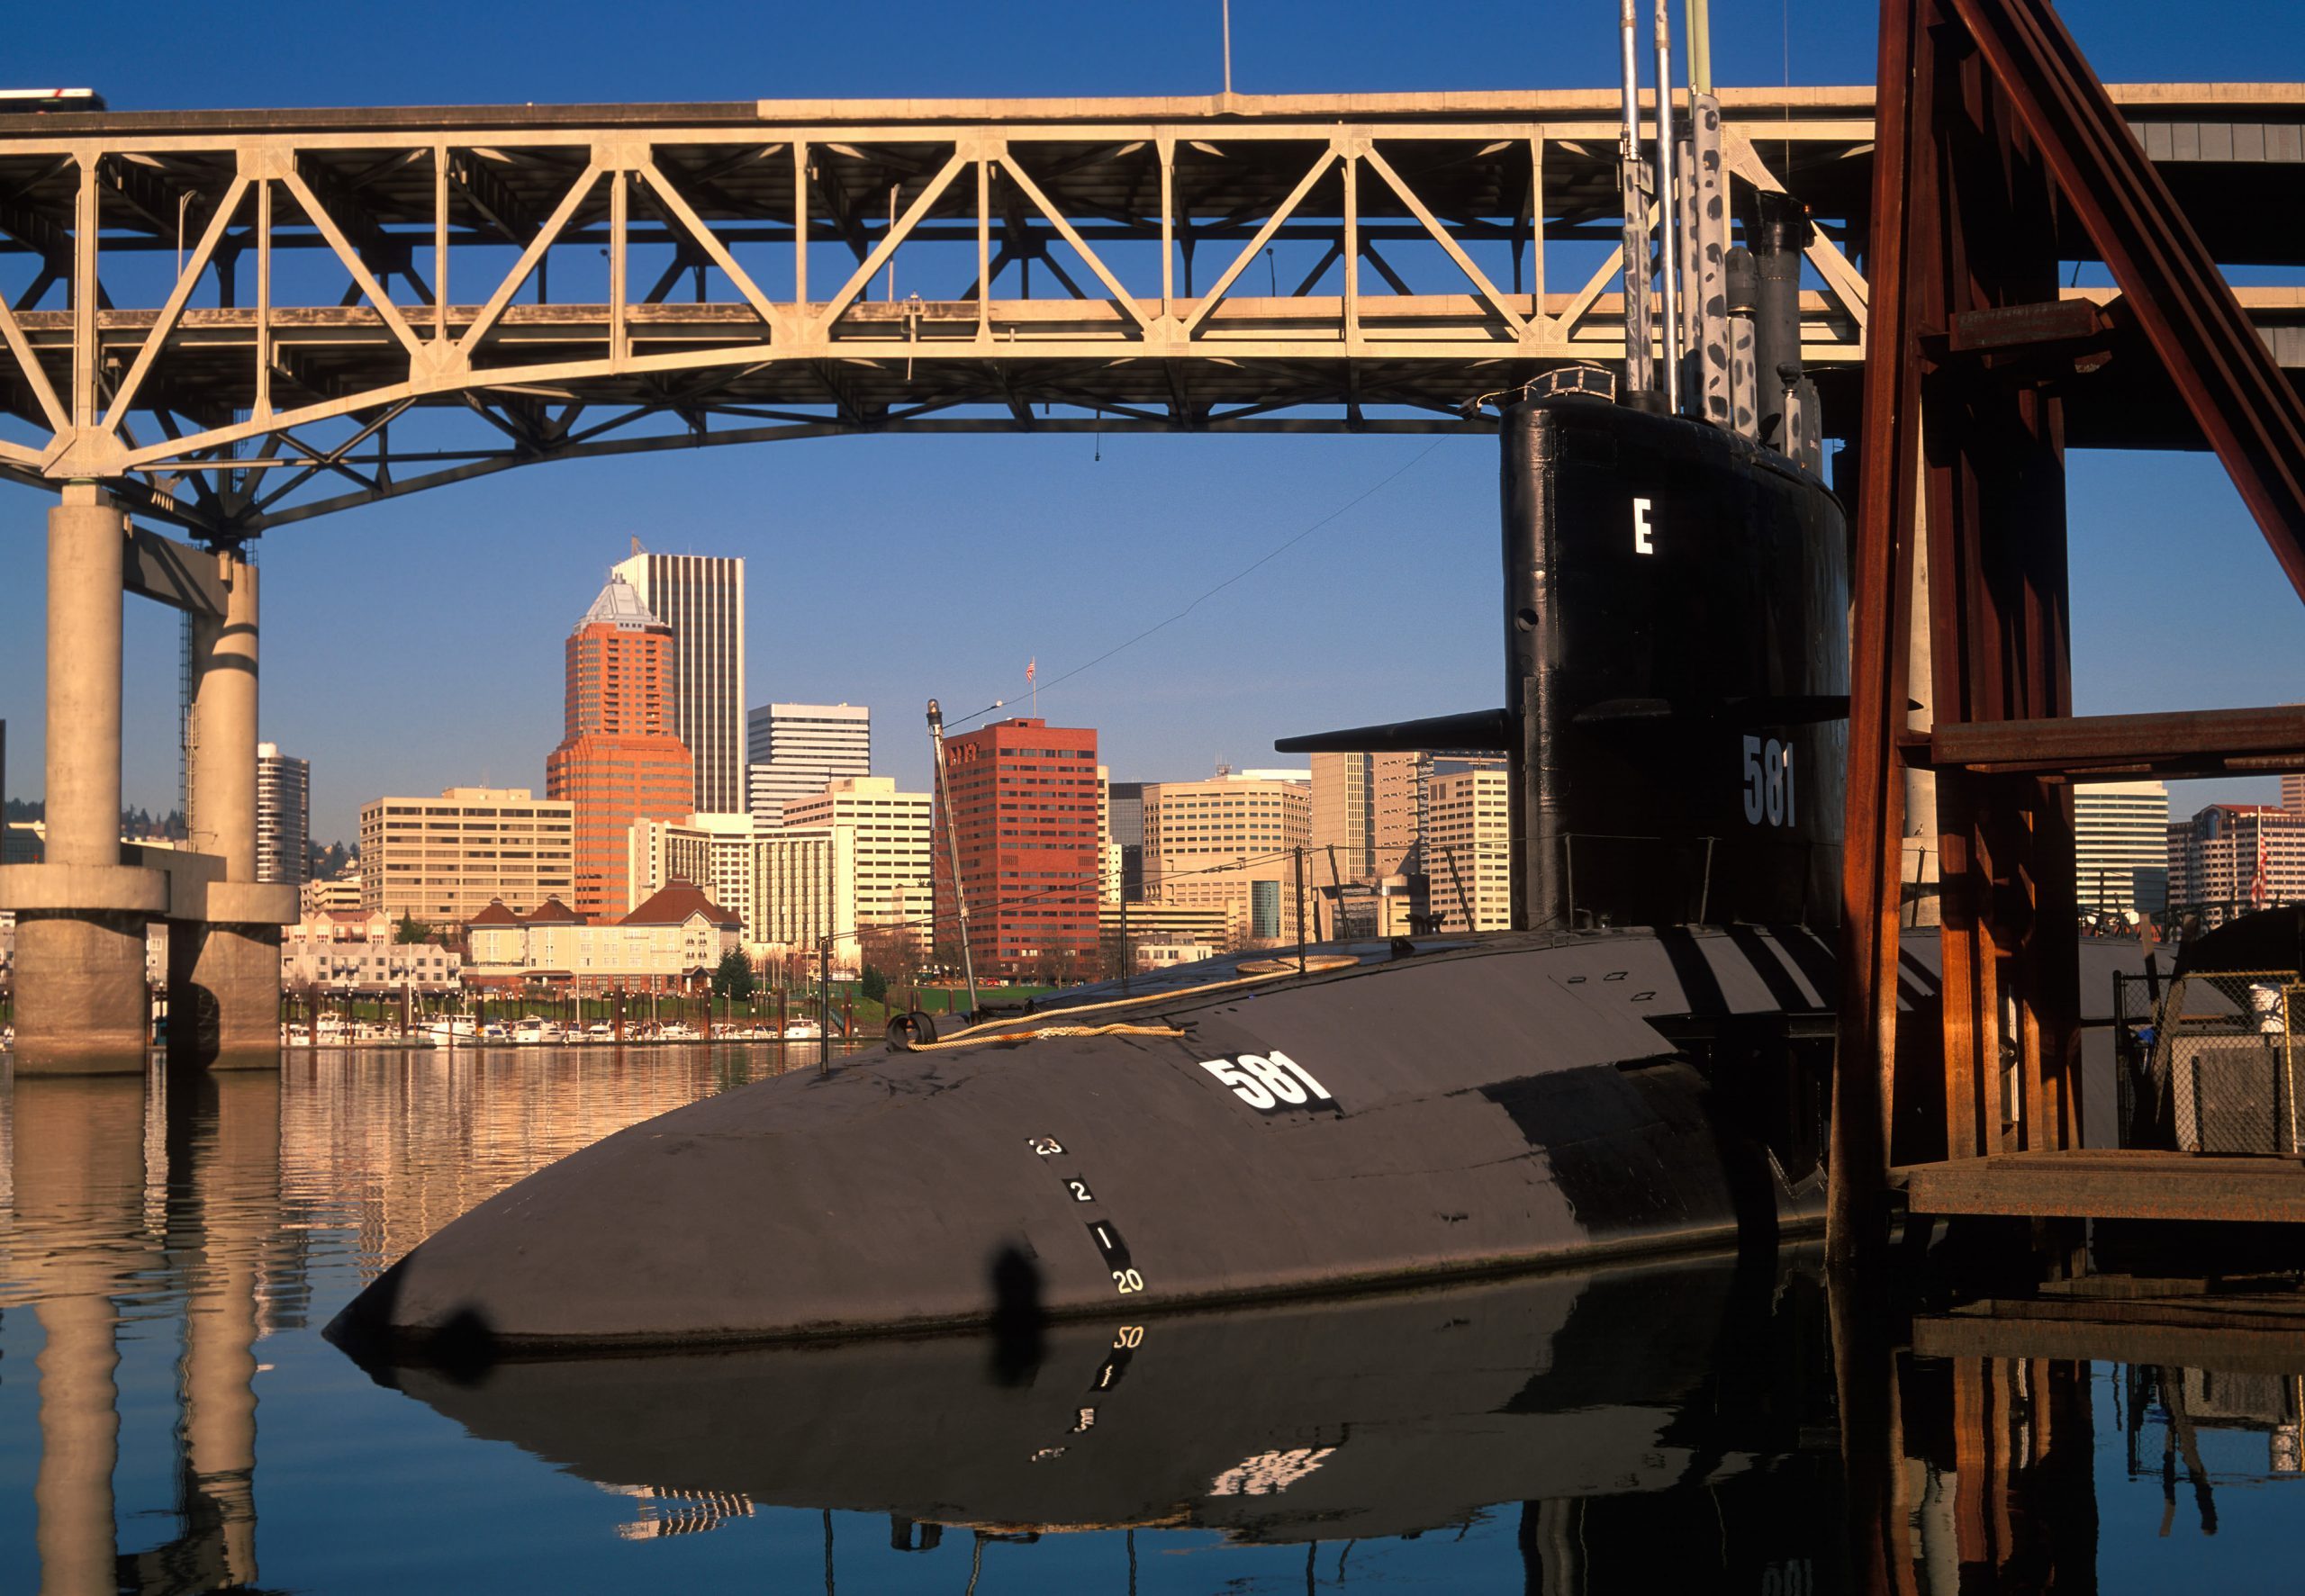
(1687, 1386)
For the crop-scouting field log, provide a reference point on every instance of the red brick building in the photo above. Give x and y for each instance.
(1024, 798)
(618, 761)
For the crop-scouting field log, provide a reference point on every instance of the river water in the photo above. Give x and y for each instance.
(171, 1419)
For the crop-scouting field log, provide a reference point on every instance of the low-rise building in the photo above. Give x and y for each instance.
(333, 893)
(672, 942)
(346, 951)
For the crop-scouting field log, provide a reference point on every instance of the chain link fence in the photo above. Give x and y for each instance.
(2216, 1065)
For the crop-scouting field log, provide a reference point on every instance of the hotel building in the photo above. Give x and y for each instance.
(1023, 798)
(618, 759)
(701, 598)
(891, 835)
(443, 860)
(712, 851)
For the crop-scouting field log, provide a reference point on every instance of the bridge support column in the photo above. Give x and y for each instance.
(224, 970)
(81, 997)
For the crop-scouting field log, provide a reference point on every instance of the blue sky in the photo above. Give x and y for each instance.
(417, 644)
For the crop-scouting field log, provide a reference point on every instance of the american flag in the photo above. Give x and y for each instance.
(2259, 890)
(1029, 666)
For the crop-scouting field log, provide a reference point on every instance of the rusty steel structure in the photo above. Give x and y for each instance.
(1994, 131)
(236, 320)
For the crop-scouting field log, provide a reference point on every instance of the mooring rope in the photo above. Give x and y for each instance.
(1260, 972)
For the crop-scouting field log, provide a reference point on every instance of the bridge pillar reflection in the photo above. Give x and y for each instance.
(81, 997)
(79, 1180)
(224, 966)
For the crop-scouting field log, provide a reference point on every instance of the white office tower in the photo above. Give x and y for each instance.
(2292, 793)
(891, 851)
(2120, 846)
(795, 751)
(283, 815)
(701, 597)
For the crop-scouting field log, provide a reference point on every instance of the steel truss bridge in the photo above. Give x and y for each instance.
(236, 320)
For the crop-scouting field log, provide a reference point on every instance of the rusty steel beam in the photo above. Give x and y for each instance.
(1880, 585)
(2182, 742)
(2253, 417)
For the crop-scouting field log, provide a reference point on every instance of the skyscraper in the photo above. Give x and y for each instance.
(283, 815)
(795, 751)
(618, 761)
(701, 599)
(1025, 795)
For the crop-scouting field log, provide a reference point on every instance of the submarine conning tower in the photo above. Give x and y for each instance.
(1677, 674)
(1675, 727)
(1676, 611)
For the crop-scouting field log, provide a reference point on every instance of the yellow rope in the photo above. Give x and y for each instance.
(1260, 970)
(1020, 1037)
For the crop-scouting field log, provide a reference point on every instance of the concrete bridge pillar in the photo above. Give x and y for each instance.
(224, 969)
(81, 997)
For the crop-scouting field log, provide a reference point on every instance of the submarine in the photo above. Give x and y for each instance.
(1641, 1067)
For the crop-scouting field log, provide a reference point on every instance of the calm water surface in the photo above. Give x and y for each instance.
(172, 1421)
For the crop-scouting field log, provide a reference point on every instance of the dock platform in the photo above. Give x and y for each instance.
(2103, 1184)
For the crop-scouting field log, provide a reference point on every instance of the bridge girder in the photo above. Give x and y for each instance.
(356, 306)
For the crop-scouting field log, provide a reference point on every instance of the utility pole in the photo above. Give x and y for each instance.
(1299, 862)
(952, 847)
(824, 1005)
(1124, 942)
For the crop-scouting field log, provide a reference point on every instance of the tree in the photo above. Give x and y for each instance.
(732, 978)
(872, 986)
(412, 930)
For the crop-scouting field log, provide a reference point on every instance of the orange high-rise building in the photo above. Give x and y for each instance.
(618, 761)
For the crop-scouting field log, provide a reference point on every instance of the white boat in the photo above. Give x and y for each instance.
(449, 1032)
(803, 1031)
(677, 1030)
(529, 1032)
(600, 1030)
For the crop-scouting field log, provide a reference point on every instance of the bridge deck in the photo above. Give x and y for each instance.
(251, 317)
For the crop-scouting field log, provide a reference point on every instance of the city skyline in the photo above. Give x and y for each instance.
(879, 598)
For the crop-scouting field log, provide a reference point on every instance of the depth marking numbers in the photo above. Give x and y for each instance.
(1269, 1082)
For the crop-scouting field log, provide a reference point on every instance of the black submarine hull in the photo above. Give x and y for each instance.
(1501, 1104)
